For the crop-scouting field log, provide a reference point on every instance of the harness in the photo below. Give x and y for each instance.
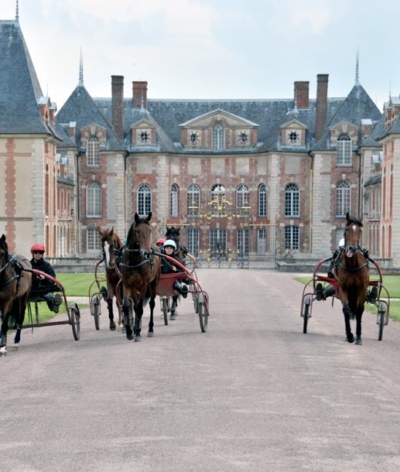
(337, 262)
(18, 269)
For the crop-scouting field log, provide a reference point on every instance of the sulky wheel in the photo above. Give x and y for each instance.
(96, 311)
(165, 309)
(306, 313)
(75, 316)
(381, 319)
(203, 316)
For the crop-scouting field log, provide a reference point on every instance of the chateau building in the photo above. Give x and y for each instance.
(260, 178)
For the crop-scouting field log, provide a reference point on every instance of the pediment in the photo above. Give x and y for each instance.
(344, 126)
(208, 119)
(293, 124)
(143, 124)
(93, 129)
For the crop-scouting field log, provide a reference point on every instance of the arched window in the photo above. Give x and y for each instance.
(218, 136)
(343, 150)
(343, 199)
(92, 152)
(262, 200)
(174, 200)
(217, 191)
(144, 200)
(242, 199)
(193, 200)
(218, 200)
(292, 200)
(93, 200)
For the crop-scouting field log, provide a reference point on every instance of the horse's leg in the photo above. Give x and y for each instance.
(19, 321)
(359, 313)
(3, 336)
(113, 327)
(138, 320)
(346, 313)
(127, 309)
(152, 304)
(173, 307)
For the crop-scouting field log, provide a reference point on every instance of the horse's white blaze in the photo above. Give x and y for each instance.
(107, 252)
(354, 228)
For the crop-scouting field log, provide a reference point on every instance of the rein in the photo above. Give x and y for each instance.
(353, 269)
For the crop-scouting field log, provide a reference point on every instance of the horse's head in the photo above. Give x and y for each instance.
(139, 234)
(110, 245)
(173, 233)
(352, 235)
(3, 251)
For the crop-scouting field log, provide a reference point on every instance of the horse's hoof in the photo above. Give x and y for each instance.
(138, 338)
(150, 334)
(172, 316)
(16, 347)
(358, 341)
(3, 351)
(129, 337)
(350, 338)
(113, 327)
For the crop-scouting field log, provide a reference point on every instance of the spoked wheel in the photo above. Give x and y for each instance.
(381, 319)
(75, 316)
(165, 309)
(306, 314)
(96, 311)
(196, 302)
(203, 315)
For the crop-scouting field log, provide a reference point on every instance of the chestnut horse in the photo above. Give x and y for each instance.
(140, 269)
(112, 247)
(352, 273)
(15, 286)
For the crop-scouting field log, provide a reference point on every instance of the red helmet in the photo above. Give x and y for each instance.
(160, 241)
(37, 247)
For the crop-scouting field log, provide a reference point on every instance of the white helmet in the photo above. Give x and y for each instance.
(170, 243)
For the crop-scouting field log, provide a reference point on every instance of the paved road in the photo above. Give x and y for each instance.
(251, 394)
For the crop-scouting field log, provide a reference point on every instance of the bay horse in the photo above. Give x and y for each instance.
(15, 286)
(112, 247)
(140, 269)
(352, 274)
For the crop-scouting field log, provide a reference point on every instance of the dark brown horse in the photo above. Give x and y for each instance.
(140, 269)
(352, 274)
(15, 286)
(112, 246)
(173, 233)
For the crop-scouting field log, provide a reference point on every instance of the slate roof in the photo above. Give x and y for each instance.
(81, 109)
(19, 86)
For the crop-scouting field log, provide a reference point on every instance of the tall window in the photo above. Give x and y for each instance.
(218, 136)
(343, 198)
(217, 241)
(243, 241)
(174, 200)
(193, 241)
(218, 197)
(92, 240)
(292, 200)
(291, 237)
(144, 200)
(242, 199)
(193, 200)
(343, 150)
(262, 200)
(261, 241)
(92, 152)
(93, 200)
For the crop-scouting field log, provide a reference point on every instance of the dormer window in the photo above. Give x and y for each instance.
(194, 137)
(218, 137)
(294, 137)
(343, 149)
(144, 137)
(243, 138)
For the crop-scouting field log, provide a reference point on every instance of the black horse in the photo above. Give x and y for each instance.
(15, 286)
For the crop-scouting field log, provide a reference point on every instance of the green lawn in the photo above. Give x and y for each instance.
(392, 284)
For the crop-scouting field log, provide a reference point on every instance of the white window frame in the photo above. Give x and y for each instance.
(174, 200)
(343, 199)
(343, 150)
(144, 200)
(93, 152)
(292, 201)
(93, 200)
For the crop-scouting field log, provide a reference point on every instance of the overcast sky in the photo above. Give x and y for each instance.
(212, 48)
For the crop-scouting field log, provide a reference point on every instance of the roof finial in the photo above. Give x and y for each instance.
(357, 70)
(81, 70)
(17, 13)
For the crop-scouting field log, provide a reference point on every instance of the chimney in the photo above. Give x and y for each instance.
(117, 105)
(301, 94)
(139, 94)
(322, 105)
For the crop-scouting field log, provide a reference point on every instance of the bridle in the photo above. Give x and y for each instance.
(351, 250)
(148, 256)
